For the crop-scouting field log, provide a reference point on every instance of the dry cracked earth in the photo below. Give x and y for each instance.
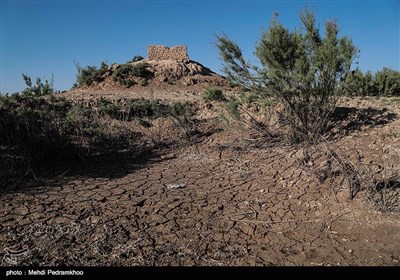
(234, 204)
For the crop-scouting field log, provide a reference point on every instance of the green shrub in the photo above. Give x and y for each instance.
(144, 82)
(124, 73)
(359, 84)
(302, 69)
(144, 108)
(39, 89)
(144, 123)
(141, 70)
(233, 107)
(35, 125)
(213, 94)
(384, 83)
(137, 58)
(106, 107)
(387, 82)
(90, 74)
(183, 116)
(133, 109)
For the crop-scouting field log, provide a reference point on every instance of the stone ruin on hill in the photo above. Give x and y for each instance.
(178, 53)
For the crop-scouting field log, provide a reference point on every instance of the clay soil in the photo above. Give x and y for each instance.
(240, 202)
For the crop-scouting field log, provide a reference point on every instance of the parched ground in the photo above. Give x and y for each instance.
(239, 203)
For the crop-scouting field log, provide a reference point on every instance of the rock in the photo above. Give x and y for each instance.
(175, 186)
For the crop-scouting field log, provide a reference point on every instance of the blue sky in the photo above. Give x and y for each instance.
(41, 38)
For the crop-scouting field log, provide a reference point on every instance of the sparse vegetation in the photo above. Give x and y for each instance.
(384, 83)
(36, 131)
(39, 89)
(144, 82)
(183, 116)
(359, 84)
(137, 58)
(141, 70)
(243, 113)
(40, 130)
(124, 73)
(385, 194)
(91, 74)
(213, 94)
(387, 82)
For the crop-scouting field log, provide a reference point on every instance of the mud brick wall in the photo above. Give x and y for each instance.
(164, 53)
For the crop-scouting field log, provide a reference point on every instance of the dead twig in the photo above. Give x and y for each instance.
(288, 221)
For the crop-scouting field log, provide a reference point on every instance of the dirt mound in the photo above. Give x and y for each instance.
(184, 73)
(159, 74)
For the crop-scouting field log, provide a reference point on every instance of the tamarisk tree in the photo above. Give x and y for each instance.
(302, 69)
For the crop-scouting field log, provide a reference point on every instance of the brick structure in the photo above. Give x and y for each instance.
(164, 53)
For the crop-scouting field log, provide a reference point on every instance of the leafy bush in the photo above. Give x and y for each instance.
(90, 74)
(32, 123)
(106, 107)
(387, 82)
(303, 70)
(213, 94)
(39, 89)
(141, 70)
(182, 114)
(124, 73)
(240, 112)
(133, 109)
(137, 58)
(141, 108)
(355, 84)
(384, 83)
(144, 108)
(36, 132)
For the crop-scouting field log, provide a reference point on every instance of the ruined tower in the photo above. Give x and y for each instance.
(178, 53)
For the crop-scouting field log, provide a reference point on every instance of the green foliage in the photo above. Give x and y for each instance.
(141, 70)
(38, 132)
(143, 108)
(233, 106)
(144, 82)
(359, 84)
(387, 82)
(33, 123)
(213, 94)
(90, 74)
(144, 123)
(134, 109)
(240, 110)
(39, 89)
(124, 73)
(384, 83)
(40, 126)
(181, 109)
(183, 116)
(137, 58)
(106, 107)
(303, 70)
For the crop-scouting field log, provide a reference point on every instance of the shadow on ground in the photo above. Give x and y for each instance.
(111, 166)
(347, 120)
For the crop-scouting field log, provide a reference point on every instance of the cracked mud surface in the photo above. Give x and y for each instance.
(239, 206)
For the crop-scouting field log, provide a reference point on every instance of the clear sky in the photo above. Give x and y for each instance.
(41, 38)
